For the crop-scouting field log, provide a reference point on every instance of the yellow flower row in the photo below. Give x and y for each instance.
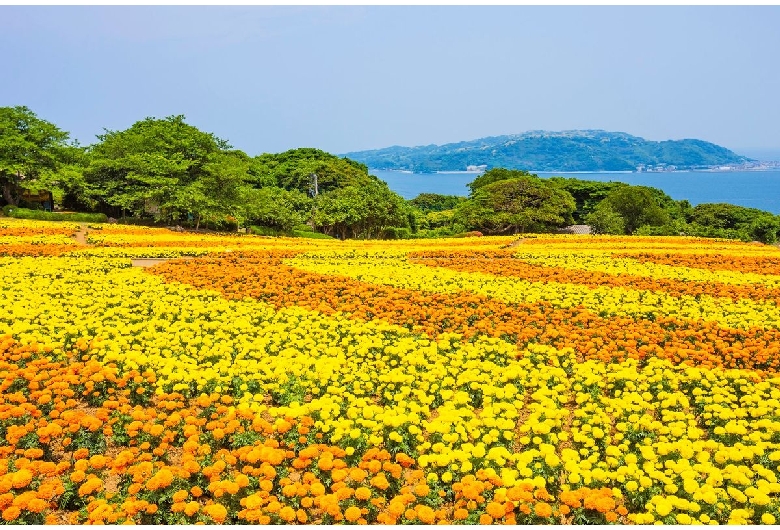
(392, 268)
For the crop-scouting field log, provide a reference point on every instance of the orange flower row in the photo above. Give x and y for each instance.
(725, 262)
(263, 276)
(503, 263)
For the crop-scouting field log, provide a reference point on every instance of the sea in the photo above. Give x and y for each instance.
(753, 189)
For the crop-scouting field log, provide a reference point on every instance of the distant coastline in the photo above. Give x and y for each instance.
(769, 167)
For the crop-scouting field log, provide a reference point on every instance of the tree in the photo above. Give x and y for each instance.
(587, 193)
(292, 170)
(163, 167)
(434, 202)
(495, 175)
(31, 152)
(361, 212)
(275, 207)
(522, 204)
(637, 206)
(604, 220)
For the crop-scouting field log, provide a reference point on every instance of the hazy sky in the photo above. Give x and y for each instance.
(349, 78)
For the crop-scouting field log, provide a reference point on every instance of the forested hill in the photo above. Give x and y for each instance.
(589, 150)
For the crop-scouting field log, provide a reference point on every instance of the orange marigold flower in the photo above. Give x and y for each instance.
(287, 514)
(542, 509)
(98, 461)
(358, 475)
(380, 482)
(425, 514)
(37, 505)
(11, 513)
(362, 493)
(191, 508)
(180, 495)
(21, 478)
(422, 490)
(485, 519)
(217, 512)
(495, 510)
(352, 514)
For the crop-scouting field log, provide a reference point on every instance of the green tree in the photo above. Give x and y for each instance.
(275, 207)
(292, 170)
(495, 175)
(163, 167)
(434, 202)
(361, 212)
(32, 150)
(605, 220)
(587, 194)
(522, 204)
(637, 206)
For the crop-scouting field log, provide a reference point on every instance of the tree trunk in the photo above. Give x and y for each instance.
(197, 223)
(8, 194)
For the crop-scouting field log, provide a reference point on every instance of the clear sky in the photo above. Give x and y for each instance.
(350, 78)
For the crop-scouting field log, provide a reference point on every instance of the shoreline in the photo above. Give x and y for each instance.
(756, 170)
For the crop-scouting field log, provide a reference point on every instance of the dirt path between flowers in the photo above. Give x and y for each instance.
(81, 235)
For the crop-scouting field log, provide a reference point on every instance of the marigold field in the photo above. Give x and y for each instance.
(557, 379)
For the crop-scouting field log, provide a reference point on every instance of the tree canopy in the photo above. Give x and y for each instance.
(31, 152)
(164, 167)
(522, 204)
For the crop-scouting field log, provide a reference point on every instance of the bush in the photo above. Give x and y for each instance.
(267, 231)
(275, 232)
(7, 209)
(604, 220)
(40, 215)
(397, 233)
(764, 229)
(310, 235)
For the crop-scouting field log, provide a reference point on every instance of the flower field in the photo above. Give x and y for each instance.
(243, 379)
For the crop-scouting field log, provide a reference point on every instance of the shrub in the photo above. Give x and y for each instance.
(40, 215)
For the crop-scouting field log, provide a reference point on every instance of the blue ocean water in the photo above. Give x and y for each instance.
(754, 189)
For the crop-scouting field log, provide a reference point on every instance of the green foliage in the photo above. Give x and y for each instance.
(432, 220)
(522, 204)
(275, 207)
(291, 170)
(165, 168)
(360, 212)
(764, 229)
(637, 206)
(310, 235)
(495, 175)
(434, 202)
(32, 151)
(40, 215)
(734, 222)
(587, 194)
(604, 220)
(397, 233)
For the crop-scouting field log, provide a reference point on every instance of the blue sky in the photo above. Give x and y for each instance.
(349, 78)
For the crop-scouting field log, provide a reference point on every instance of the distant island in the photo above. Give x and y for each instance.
(565, 151)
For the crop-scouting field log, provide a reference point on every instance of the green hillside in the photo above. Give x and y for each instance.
(589, 150)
